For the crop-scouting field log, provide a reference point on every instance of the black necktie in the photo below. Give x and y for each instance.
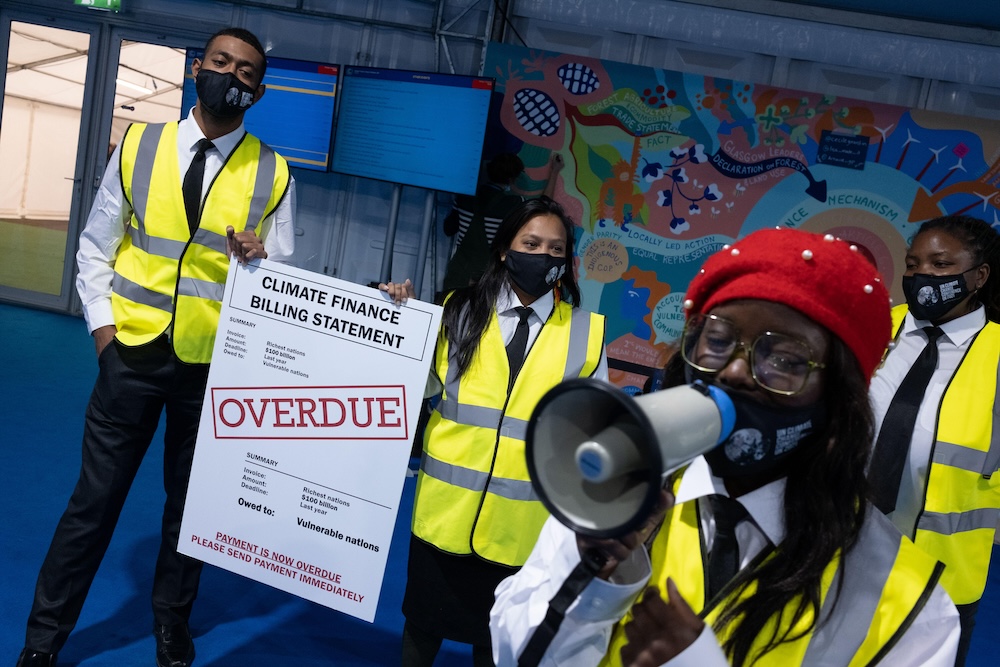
(192, 184)
(519, 343)
(724, 559)
(889, 457)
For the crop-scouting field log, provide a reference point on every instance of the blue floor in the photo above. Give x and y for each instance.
(45, 380)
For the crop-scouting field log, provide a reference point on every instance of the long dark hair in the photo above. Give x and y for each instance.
(983, 243)
(825, 504)
(468, 311)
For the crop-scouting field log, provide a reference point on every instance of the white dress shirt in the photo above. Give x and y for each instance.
(952, 346)
(541, 309)
(110, 215)
(582, 640)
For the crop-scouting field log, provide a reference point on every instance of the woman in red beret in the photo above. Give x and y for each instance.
(766, 551)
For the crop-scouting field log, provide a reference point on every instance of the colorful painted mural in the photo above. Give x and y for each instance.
(664, 168)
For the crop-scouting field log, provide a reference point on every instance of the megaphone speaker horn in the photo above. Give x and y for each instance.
(597, 456)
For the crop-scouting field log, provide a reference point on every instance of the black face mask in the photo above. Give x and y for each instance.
(763, 436)
(932, 297)
(222, 94)
(534, 273)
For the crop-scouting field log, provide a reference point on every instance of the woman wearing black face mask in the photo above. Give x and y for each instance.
(475, 515)
(937, 483)
(807, 573)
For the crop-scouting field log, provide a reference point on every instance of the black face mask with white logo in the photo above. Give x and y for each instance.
(534, 273)
(931, 297)
(764, 436)
(222, 94)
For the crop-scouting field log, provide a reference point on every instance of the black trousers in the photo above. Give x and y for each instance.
(967, 616)
(134, 386)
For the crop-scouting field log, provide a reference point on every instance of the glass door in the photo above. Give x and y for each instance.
(69, 94)
(148, 86)
(40, 125)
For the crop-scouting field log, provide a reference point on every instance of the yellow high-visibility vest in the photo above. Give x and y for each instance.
(165, 276)
(886, 582)
(958, 520)
(474, 494)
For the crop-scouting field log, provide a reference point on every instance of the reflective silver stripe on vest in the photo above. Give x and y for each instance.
(210, 240)
(865, 571)
(470, 415)
(992, 463)
(266, 166)
(514, 428)
(959, 522)
(512, 489)
(475, 481)
(155, 245)
(474, 415)
(579, 336)
(203, 289)
(960, 457)
(464, 478)
(135, 292)
(142, 170)
(450, 408)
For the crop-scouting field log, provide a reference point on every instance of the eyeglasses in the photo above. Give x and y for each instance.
(780, 364)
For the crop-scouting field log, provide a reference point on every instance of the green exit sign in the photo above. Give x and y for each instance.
(107, 5)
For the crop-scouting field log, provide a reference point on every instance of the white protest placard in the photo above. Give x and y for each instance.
(312, 398)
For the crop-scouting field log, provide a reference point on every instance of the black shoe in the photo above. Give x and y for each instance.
(36, 659)
(174, 647)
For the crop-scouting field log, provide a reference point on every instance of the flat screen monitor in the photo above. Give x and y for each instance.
(295, 115)
(413, 128)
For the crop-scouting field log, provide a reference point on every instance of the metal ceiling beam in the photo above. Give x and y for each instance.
(852, 19)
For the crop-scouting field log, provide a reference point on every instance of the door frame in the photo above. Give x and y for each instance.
(95, 127)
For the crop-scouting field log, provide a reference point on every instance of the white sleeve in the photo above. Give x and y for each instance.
(932, 639)
(280, 241)
(704, 652)
(99, 243)
(522, 601)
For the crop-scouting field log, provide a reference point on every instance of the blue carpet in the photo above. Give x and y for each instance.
(45, 382)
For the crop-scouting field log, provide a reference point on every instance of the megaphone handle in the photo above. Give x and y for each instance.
(591, 562)
(594, 560)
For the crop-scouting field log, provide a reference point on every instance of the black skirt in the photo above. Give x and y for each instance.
(450, 596)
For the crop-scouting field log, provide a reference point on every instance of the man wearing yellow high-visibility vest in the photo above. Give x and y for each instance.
(504, 342)
(176, 202)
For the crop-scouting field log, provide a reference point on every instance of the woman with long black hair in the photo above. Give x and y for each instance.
(766, 550)
(503, 343)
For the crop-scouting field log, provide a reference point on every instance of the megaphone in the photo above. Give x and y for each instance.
(597, 456)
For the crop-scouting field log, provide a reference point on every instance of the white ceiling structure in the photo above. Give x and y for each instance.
(49, 65)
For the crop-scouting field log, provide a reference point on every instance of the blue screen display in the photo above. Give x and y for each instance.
(295, 115)
(413, 128)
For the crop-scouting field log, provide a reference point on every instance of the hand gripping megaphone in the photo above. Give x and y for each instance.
(597, 456)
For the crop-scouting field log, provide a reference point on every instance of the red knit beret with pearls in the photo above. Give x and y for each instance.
(822, 277)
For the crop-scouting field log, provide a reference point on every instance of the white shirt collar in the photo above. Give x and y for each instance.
(764, 505)
(507, 300)
(189, 134)
(958, 331)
